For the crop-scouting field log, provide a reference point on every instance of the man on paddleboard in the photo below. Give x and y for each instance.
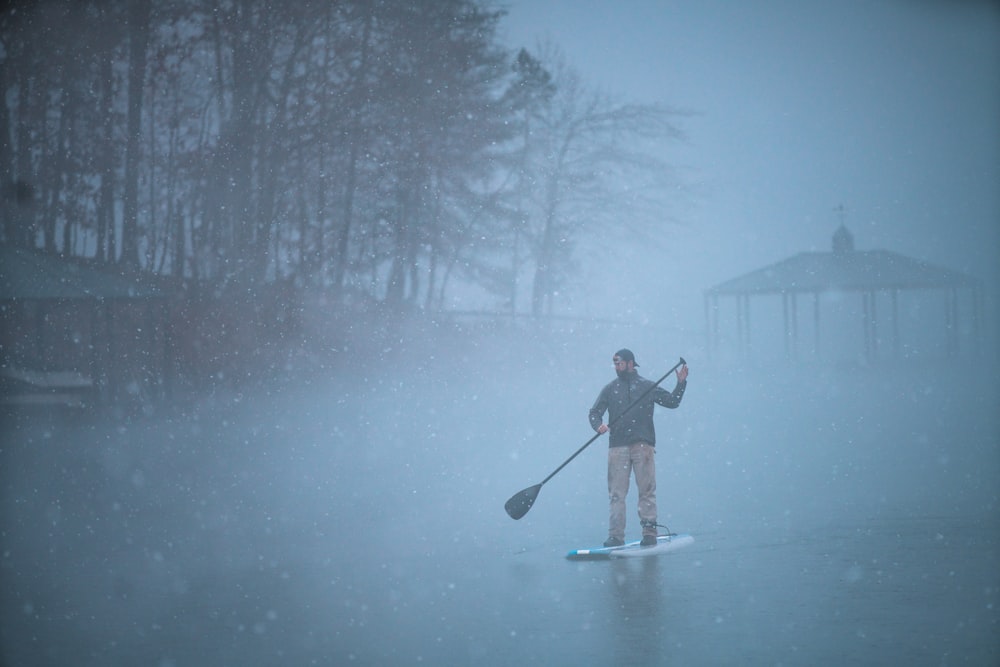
(632, 443)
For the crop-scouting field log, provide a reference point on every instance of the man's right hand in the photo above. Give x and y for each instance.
(602, 429)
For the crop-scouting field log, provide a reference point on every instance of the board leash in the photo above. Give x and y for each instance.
(669, 535)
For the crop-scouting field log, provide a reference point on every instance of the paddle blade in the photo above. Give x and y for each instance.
(521, 502)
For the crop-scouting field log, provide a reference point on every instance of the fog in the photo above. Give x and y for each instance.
(841, 515)
(845, 510)
(795, 109)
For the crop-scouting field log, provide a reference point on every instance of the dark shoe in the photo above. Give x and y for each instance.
(648, 541)
(614, 542)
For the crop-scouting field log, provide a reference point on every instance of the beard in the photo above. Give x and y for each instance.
(622, 374)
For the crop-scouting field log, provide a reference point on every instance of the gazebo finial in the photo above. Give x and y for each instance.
(843, 240)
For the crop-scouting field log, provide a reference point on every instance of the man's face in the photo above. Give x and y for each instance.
(622, 366)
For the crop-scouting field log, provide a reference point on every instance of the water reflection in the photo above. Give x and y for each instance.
(638, 598)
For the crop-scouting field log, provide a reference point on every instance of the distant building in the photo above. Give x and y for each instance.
(897, 306)
(74, 333)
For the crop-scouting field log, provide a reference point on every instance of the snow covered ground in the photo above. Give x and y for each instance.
(841, 516)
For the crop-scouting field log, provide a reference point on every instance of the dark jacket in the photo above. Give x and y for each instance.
(637, 424)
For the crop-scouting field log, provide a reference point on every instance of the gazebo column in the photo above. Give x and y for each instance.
(715, 320)
(795, 325)
(816, 339)
(743, 322)
(785, 328)
(739, 325)
(874, 324)
(869, 323)
(895, 323)
(789, 307)
(951, 322)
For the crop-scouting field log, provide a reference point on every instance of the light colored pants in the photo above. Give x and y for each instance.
(621, 462)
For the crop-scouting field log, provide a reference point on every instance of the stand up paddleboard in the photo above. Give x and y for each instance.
(664, 544)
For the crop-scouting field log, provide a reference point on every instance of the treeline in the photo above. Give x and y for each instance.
(378, 150)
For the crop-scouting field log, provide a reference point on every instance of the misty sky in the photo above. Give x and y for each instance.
(889, 108)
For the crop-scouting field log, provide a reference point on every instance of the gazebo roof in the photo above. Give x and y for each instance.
(26, 274)
(846, 270)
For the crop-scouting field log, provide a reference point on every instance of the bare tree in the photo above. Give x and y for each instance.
(588, 166)
(388, 150)
(530, 96)
(440, 80)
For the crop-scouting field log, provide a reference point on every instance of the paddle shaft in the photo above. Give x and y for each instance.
(615, 420)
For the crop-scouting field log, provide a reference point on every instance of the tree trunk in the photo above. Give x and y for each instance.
(138, 26)
(9, 205)
(106, 250)
(356, 137)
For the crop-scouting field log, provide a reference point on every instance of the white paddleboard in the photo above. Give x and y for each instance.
(664, 544)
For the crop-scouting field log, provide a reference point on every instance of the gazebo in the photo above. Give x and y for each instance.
(879, 277)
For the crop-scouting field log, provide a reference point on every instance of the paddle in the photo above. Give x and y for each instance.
(521, 502)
